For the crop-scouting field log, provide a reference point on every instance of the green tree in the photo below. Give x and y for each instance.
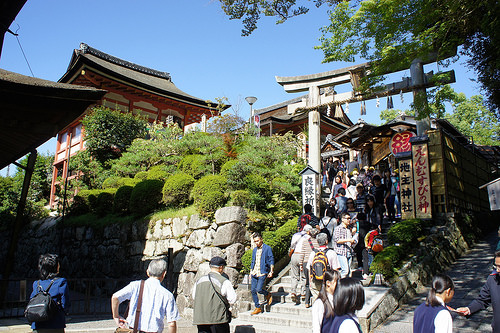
(390, 114)
(473, 119)
(109, 133)
(392, 33)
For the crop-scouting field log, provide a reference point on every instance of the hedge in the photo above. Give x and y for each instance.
(194, 165)
(122, 199)
(240, 198)
(177, 189)
(387, 261)
(104, 202)
(209, 194)
(158, 172)
(146, 197)
(141, 175)
(405, 233)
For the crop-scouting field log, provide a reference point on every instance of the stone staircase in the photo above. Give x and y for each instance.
(281, 316)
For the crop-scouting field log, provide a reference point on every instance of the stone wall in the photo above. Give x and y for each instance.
(123, 251)
(448, 240)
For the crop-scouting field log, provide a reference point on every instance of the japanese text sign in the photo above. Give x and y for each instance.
(422, 180)
(406, 187)
(400, 142)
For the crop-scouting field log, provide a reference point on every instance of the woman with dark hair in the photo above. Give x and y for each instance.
(433, 316)
(373, 213)
(349, 296)
(48, 266)
(322, 309)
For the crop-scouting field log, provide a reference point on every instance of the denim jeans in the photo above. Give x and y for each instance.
(345, 265)
(258, 287)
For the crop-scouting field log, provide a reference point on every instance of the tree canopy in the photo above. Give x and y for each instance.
(392, 33)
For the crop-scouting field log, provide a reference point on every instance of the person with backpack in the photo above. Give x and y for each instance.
(343, 243)
(307, 218)
(307, 248)
(373, 245)
(57, 288)
(298, 278)
(320, 260)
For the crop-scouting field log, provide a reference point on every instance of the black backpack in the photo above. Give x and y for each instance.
(42, 306)
(326, 231)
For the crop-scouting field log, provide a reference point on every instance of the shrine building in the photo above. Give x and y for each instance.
(130, 88)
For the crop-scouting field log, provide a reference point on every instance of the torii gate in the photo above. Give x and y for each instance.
(312, 83)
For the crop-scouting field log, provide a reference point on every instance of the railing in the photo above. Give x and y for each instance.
(87, 296)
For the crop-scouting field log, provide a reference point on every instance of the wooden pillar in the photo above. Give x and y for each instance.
(419, 95)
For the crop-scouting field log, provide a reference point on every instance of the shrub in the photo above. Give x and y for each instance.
(240, 198)
(177, 189)
(141, 175)
(104, 202)
(208, 193)
(226, 167)
(194, 165)
(84, 201)
(146, 197)
(387, 261)
(122, 199)
(111, 182)
(405, 233)
(278, 240)
(127, 181)
(158, 172)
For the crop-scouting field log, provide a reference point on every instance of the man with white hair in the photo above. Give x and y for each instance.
(157, 303)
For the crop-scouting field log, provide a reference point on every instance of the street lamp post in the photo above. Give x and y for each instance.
(251, 100)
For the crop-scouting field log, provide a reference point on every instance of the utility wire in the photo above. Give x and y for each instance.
(20, 46)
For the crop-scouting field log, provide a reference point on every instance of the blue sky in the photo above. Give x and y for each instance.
(193, 40)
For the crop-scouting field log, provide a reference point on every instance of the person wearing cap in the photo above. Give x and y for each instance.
(213, 294)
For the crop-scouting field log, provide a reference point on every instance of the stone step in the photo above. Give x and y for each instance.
(280, 319)
(281, 287)
(238, 326)
(290, 308)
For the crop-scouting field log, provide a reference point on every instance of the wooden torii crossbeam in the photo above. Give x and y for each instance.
(312, 83)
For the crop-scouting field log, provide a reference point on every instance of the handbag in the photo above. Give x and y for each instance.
(137, 314)
(224, 301)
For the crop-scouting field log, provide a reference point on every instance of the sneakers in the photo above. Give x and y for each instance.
(256, 311)
(269, 299)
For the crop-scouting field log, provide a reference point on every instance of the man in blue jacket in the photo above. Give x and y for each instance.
(490, 294)
(262, 267)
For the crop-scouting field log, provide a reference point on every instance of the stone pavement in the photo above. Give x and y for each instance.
(469, 274)
(83, 324)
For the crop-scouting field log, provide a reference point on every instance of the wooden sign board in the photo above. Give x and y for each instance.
(406, 188)
(422, 180)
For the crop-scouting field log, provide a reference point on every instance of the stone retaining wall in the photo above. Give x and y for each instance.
(122, 251)
(436, 253)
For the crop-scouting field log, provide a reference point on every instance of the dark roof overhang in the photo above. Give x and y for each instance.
(34, 110)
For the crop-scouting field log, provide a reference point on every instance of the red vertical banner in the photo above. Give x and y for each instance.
(406, 189)
(422, 180)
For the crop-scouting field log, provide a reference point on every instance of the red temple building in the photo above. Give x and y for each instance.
(130, 88)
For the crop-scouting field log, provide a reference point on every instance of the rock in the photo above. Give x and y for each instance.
(203, 269)
(196, 239)
(163, 244)
(209, 252)
(233, 275)
(179, 260)
(80, 233)
(198, 223)
(231, 214)
(167, 231)
(183, 303)
(186, 283)
(228, 234)
(157, 229)
(149, 249)
(234, 252)
(193, 260)
(179, 226)
(209, 236)
(136, 248)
